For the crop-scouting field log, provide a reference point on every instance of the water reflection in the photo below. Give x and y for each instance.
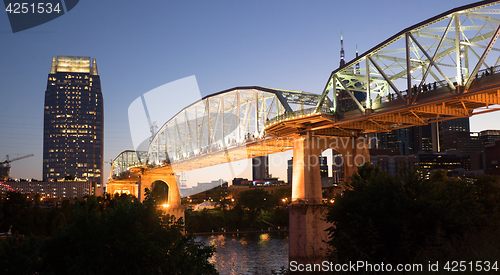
(254, 253)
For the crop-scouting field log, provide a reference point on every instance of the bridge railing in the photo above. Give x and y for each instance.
(326, 109)
(425, 88)
(299, 113)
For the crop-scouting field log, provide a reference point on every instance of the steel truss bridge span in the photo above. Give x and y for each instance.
(442, 68)
(220, 128)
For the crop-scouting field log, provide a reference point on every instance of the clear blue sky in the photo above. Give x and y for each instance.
(140, 45)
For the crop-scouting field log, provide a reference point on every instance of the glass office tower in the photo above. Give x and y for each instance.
(73, 121)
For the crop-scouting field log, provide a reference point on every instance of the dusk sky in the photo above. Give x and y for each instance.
(140, 45)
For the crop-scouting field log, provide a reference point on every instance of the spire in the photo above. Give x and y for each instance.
(357, 64)
(342, 60)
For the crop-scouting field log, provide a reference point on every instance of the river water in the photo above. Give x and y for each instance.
(251, 253)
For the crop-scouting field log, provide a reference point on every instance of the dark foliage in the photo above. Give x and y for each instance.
(255, 201)
(103, 236)
(398, 219)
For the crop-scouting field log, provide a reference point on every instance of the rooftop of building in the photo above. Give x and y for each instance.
(73, 64)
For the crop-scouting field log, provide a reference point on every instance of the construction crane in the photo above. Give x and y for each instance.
(110, 163)
(5, 166)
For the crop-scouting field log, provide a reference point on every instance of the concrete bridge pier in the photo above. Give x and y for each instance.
(307, 211)
(173, 205)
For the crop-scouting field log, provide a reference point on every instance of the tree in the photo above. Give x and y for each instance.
(393, 218)
(14, 210)
(254, 200)
(220, 197)
(128, 238)
(282, 196)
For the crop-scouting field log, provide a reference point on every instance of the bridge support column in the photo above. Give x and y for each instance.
(306, 181)
(307, 226)
(307, 212)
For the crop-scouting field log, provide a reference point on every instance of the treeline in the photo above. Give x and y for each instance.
(408, 219)
(253, 209)
(99, 235)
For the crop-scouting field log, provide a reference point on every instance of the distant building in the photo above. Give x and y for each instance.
(323, 166)
(427, 162)
(463, 142)
(400, 140)
(478, 157)
(424, 138)
(56, 189)
(268, 182)
(430, 162)
(391, 162)
(289, 170)
(241, 182)
(492, 155)
(338, 170)
(488, 137)
(454, 125)
(427, 138)
(202, 189)
(260, 168)
(73, 121)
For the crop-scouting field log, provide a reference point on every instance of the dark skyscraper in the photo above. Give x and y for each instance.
(260, 168)
(423, 138)
(73, 120)
(399, 140)
(454, 125)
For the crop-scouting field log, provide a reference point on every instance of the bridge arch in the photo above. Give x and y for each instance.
(159, 190)
(163, 184)
(121, 164)
(224, 120)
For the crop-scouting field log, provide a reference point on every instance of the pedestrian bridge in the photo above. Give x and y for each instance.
(220, 128)
(443, 68)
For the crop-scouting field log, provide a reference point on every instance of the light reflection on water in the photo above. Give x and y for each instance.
(253, 253)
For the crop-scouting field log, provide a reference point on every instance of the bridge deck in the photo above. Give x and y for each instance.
(431, 106)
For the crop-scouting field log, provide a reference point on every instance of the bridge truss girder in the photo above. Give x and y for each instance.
(448, 50)
(224, 123)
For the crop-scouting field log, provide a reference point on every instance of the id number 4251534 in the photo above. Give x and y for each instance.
(32, 8)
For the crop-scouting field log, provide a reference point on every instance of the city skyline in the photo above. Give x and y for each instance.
(293, 45)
